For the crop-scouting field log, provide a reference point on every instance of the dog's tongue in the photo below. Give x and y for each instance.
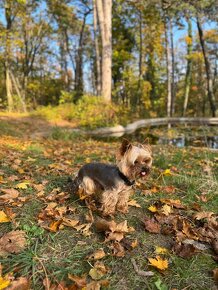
(143, 173)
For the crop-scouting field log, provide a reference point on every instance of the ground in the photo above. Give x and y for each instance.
(36, 161)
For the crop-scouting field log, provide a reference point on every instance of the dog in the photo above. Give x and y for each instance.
(111, 185)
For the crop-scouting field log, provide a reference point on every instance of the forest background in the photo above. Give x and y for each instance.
(65, 59)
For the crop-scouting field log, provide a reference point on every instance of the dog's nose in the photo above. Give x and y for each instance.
(146, 169)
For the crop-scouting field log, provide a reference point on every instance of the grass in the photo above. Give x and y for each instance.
(193, 174)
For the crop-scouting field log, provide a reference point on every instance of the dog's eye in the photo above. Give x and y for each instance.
(148, 160)
(136, 162)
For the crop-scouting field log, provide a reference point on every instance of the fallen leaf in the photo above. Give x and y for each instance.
(173, 202)
(10, 193)
(22, 185)
(69, 222)
(84, 229)
(55, 225)
(20, 283)
(134, 203)
(4, 282)
(185, 250)
(98, 271)
(94, 285)
(215, 275)
(203, 215)
(118, 249)
(152, 226)
(167, 172)
(169, 189)
(159, 263)
(160, 250)
(166, 209)
(198, 245)
(153, 208)
(3, 217)
(80, 281)
(97, 255)
(134, 244)
(12, 242)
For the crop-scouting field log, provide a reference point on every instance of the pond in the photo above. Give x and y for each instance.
(176, 136)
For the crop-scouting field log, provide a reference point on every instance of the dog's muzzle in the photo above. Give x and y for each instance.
(145, 171)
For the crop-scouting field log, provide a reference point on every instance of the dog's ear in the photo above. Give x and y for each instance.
(126, 145)
(146, 141)
(146, 144)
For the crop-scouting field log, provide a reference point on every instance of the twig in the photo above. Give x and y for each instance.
(141, 272)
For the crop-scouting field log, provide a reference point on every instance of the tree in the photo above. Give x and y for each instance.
(104, 11)
(210, 93)
(189, 41)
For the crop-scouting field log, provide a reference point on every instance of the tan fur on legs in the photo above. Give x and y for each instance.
(109, 200)
(88, 185)
(122, 203)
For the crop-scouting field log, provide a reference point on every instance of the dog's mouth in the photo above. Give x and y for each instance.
(144, 172)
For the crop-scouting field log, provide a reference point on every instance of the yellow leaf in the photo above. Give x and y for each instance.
(167, 172)
(20, 170)
(22, 185)
(158, 263)
(133, 203)
(3, 217)
(166, 209)
(134, 244)
(4, 283)
(153, 208)
(160, 250)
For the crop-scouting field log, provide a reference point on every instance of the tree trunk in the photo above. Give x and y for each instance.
(210, 93)
(8, 83)
(169, 70)
(79, 63)
(18, 91)
(173, 69)
(189, 67)
(104, 9)
(97, 53)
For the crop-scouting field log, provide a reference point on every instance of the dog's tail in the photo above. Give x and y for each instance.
(73, 184)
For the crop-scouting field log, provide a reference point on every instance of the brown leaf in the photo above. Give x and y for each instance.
(103, 225)
(118, 249)
(80, 281)
(185, 250)
(173, 202)
(84, 229)
(19, 284)
(133, 203)
(215, 246)
(69, 222)
(10, 193)
(114, 236)
(203, 215)
(55, 225)
(215, 275)
(97, 255)
(169, 189)
(12, 242)
(189, 231)
(152, 226)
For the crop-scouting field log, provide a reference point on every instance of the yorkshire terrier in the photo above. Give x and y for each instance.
(111, 185)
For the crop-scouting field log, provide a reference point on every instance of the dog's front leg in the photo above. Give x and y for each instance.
(109, 200)
(122, 202)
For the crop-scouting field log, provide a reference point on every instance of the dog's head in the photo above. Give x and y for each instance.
(134, 161)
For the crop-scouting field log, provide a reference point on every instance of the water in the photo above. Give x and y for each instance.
(183, 141)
